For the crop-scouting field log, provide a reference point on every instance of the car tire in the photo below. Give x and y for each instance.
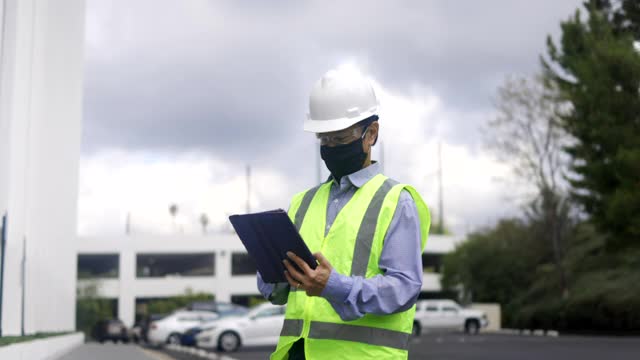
(472, 327)
(417, 329)
(174, 339)
(228, 341)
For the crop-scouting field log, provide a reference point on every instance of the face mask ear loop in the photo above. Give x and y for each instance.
(364, 132)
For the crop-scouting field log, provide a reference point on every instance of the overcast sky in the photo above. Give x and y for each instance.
(181, 95)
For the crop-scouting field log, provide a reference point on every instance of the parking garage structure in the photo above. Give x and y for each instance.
(132, 270)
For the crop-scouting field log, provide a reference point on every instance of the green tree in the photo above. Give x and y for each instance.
(90, 308)
(491, 265)
(596, 68)
(526, 134)
(171, 304)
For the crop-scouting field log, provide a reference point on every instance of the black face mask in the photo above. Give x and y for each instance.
(344, 159)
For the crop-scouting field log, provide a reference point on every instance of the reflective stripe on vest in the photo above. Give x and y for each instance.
(292, 327)
(345, 332)
(304, 206)
(364, 239)
(367, 229)
(302, 211)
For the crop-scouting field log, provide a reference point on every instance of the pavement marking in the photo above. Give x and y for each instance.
(156, 354)
(198, 352)
(96, 351)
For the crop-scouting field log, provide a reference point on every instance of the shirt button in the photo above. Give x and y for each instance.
(335, 201)
(328, 226)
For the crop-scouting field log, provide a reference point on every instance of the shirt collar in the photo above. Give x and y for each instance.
(362, 176)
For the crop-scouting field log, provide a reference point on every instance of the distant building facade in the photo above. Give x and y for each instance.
(131, 270)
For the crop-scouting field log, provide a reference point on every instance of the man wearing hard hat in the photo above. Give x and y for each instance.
(367, 231)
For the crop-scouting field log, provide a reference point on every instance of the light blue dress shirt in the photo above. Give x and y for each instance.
(401, 260)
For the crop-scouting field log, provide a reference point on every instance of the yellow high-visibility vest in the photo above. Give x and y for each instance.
(353, 246)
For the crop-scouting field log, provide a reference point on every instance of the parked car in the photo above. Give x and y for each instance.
(110, 330)
(261, 326)
(188, 338)
(447, 315)
(146, 322)
(168, 329)
(135, 333)
(220, 308)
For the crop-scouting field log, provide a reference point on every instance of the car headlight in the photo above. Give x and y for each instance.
(210, 328)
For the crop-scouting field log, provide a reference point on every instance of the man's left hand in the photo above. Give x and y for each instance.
(312, 281)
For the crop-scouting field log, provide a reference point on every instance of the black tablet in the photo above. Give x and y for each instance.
(268, 236)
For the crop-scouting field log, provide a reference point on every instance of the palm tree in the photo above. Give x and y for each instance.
(173, 210)
(204, 221)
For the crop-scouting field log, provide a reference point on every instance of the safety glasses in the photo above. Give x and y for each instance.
(342, 137)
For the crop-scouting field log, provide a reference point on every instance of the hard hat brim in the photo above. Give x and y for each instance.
(324, 126)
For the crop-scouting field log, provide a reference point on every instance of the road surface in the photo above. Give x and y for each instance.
(430, 347)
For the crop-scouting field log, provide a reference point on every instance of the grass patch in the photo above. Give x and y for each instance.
(8, 340)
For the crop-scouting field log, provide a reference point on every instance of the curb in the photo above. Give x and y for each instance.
(526, 332)
(45, 348)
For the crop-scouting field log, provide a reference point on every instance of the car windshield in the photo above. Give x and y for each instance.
(257, 309)
(232, 311)
(265, 310)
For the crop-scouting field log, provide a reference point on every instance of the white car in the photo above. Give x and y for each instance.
(168, 329)
(261, 326)
(447, 315)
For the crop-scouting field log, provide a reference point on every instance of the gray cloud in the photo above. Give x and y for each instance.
(233, 77)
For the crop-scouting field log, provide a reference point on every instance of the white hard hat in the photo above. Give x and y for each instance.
(338, 100)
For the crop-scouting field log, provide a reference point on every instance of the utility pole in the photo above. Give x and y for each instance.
(248, 189)
(440, 200)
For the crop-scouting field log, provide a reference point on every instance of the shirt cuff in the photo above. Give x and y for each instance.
(280, 294)
(337, 288)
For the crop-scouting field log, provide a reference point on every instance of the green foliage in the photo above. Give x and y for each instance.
(85, 275)
(506, 265)
(597, 71)
(439, 230)
(168, 305)
(8, 340)
(256, 300)
(490, 264)
(90, 311)
(90, 308)
(601, 300)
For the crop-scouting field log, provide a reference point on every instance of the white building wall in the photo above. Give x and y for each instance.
(128, 286)
(438, 244)
(41, 77)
